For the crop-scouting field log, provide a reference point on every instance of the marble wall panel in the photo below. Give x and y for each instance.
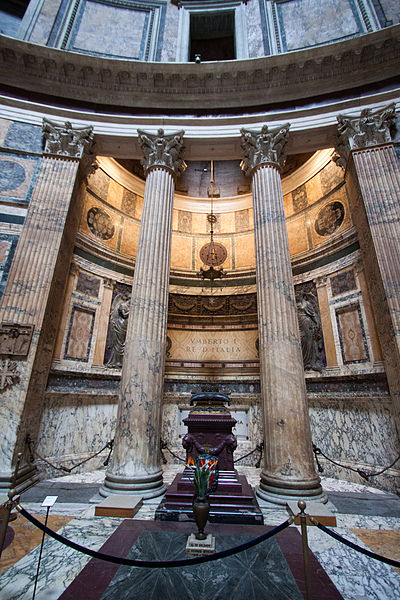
(213, 345)
(299, 198)
(79, 335)
(128, 202)
(44, 22)
(170, 37)
(130, 237)
(184, 221)
(391, 9)
(330, 177)
(99, 183)
(227, 221)
(181, 252)
(297, 234)
(313, 191)
(343, 282)
(242, 220)
(245, 251)
(17, 176)
(351, 334)
(115, 197)
(74, 426)
(24, 137)
(305, 23)
(110, 30)
(8, 243)
(88, 285)
(256, 31)
(359, 431)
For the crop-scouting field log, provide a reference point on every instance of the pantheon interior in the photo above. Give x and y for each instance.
(200, 197)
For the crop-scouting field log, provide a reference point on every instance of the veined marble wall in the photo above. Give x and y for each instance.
(356, 432)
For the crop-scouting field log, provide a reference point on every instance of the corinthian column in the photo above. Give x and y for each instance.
(30, 307)
(366, 151)
(288, 472)
(135, 466)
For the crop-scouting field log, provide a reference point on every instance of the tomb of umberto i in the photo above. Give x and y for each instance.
(137, 135)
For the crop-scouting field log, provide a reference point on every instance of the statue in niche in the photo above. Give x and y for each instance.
(118, 322)
(310, 330)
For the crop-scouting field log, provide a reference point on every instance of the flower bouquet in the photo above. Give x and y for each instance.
(205, 479)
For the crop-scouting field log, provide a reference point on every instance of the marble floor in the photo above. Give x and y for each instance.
(368, 517)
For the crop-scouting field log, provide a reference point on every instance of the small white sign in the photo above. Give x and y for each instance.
(49, 501)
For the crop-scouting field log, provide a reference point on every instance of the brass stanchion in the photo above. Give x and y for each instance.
(303, 525)
(9, 505)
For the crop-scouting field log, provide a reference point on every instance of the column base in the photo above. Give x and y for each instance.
(149, 486)
(279, 491)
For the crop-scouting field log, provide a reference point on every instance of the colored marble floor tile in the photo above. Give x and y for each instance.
(26, 538)
(385, 543)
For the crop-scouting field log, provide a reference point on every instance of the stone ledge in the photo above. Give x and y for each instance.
(368, 59)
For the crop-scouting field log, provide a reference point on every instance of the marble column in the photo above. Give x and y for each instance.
(288, 471)
(135, 466)
(372, 174)
(32, 300)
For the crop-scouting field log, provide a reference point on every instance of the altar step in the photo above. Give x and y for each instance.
(232, 502)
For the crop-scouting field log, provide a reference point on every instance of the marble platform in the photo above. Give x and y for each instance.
(356, 577)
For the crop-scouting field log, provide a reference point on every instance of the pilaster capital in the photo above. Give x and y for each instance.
(368, 129)
(265, 146)
(162, 150)
(109, 283)
(320, 281)
(71, 142)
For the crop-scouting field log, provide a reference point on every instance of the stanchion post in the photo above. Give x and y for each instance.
(303, 526)
(48, 503)
(9, 505)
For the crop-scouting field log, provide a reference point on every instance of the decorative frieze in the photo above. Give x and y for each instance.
(15, 339)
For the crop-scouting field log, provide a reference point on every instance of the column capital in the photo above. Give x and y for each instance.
(70, 142)
(320, 281)
(368, 129)
(264, 146)
(162, 150)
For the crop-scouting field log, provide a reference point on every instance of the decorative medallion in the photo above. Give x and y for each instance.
(100, 223)
(329, 218)
(213, 254)
(9, 374)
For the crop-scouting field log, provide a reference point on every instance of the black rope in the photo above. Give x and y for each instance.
(156, 564)
(258, 448)
(164, 446)
(32, 452)
(363, 474)
(388, 561)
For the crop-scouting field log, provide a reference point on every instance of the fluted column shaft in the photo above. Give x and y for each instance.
(36, 283)
(288, 469)
(135, 466)
(373, 181)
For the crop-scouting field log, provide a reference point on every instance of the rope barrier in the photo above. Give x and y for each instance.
(32, 451)
(156, 564)
(363, 474)
(336, 536)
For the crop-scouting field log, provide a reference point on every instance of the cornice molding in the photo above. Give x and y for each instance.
(368, 59)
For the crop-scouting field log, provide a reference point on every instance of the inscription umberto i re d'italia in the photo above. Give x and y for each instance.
(222, 346)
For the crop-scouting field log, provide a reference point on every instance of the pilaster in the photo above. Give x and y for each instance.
(37, 279)
(373, 182)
